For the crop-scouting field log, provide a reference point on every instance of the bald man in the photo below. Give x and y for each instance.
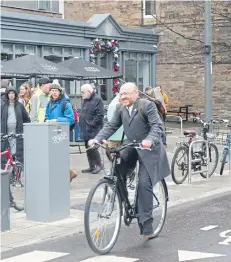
(153, 165)
(91, 122)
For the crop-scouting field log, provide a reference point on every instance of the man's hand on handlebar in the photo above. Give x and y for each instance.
(92, 142)
(146, 143)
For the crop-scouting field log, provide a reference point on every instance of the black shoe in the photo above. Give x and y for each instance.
(97, 169)
(88, 170)
(148, 231)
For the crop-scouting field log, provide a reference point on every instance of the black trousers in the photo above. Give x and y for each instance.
(93, 156)
(129, 158)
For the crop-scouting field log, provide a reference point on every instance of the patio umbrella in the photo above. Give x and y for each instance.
(88, 70)
(33, 65)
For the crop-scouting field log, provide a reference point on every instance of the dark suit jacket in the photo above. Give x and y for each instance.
(137, 129)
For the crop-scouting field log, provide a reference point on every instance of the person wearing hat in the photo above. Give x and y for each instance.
(59, 109)
(54, 110)
(40, 100)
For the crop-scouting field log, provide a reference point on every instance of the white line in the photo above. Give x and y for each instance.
(185, 255)
(110, 259)
(35, 256)
(208, 228)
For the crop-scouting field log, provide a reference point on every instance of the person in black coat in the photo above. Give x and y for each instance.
(91, 122)
(13, 115)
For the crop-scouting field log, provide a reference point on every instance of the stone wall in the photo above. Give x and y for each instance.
(126, 13)
(181, 58)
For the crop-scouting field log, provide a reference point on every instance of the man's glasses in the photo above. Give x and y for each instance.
(125, 94)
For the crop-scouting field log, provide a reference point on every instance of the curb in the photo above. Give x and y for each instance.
(212, 193)
(80, 227)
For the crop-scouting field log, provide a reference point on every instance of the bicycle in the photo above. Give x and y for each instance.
(16, 174)
(114, 191)
(199, 155)
(226, 151)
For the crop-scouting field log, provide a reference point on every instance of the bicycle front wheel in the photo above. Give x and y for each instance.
(17, 185)
(160, 199)
(223, 161)
(102, 217)
(213, 160)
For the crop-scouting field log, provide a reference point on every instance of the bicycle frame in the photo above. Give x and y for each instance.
(7, 153)
(117, 179)
(10, 161)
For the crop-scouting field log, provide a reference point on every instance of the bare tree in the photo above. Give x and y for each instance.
(185, 34)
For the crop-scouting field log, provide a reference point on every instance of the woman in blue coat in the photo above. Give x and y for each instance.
(59, 109)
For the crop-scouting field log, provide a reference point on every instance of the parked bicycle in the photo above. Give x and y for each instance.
(114, 200)
(199, 155)
(226, 151)
(16, 189)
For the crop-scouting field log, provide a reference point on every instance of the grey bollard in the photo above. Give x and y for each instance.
(5, 201)
(46, 167)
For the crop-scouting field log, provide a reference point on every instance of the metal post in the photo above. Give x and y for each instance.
(229, 164)
(190, 161)
(208, 61)
(153, 70)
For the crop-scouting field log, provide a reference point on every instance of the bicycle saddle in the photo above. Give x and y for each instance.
(189, 132)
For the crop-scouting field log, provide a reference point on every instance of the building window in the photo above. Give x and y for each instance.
(53, 58)
(45, 5)
(149, 8)
(137, 69)
(5, 57)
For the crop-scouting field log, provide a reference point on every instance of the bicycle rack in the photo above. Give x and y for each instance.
(195, 160)
(181, 123)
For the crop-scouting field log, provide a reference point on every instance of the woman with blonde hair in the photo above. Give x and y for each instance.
(25, 95)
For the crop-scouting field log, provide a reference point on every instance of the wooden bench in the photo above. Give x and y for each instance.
(181, 110)
(177, 113)
(78, 144)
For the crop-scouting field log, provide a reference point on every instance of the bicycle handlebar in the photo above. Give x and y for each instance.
(5, 137)
(213, 121)
(118, 149)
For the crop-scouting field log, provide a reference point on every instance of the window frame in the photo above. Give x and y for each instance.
(144, 10)
(47, 9)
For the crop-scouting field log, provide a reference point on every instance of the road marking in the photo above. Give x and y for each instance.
(35, 256)
(185, 255)
(228, 238)
(208, 228)
(110, 259)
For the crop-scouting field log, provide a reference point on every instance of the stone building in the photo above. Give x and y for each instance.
(180, 58)
(131, 51)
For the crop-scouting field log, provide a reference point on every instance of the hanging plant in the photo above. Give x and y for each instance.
(105, 45)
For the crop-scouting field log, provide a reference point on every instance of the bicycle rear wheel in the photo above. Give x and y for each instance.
(223, 161)
(109, 203)
(17, 185)
(179, 167)
(160, 194)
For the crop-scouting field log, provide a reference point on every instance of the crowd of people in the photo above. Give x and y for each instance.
(130, 119)
(45, 102)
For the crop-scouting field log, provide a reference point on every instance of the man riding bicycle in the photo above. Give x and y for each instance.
(146, 128)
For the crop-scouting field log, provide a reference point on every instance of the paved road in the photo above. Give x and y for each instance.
(181, 239)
